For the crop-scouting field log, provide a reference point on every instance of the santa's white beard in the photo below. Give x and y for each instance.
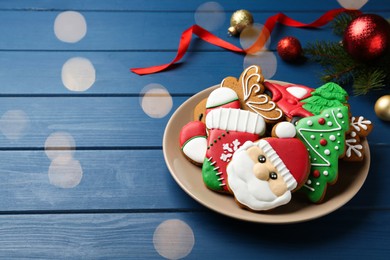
(249, 190)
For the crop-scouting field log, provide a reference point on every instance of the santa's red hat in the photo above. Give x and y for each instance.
(290, 157)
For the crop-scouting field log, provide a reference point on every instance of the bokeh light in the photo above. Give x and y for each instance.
(173, 239)
(78, 74)
(70, 26)
(155, 100)
(266, 60)
(352, 4)
(210, 16)
(14, 124)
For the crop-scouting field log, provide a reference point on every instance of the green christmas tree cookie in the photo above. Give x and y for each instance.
(324, 137)
(326, 96)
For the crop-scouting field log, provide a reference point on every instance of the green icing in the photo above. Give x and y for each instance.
(210, 177)
(332, 91)
(327, 96)
(325, 143)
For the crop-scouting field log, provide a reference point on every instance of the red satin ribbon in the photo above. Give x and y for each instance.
(257, 46)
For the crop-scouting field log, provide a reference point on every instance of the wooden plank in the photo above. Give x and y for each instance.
(200, 235)
(105, 180)
(171, 5)
(39, 73)
(105, 121)
(129, 180)
(116, 31)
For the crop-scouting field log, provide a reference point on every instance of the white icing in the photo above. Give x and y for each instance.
(297, 91)
(301, 130)
(312, 137)
(249, 190)
(360, 123)
(327, 152)
(221, 96)
(339, 115)
(326, 173)
(246, 89)
(229, 149)
(309, 122)
(257, 108)
(332, 138)
(285, 130)
(330, 123)
(235, 120)
(353, 147)
(195, 149)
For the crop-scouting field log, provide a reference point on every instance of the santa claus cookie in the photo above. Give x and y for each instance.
(228, 129)
(263, 174)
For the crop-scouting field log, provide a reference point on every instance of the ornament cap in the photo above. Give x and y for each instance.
(232, 31)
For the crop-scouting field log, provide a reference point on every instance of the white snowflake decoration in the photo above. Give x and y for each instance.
(229, 149)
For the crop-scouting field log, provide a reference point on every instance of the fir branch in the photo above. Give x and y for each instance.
(366, 80)
(338, 65)
(341, 22)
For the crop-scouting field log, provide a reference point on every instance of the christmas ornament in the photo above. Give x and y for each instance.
(367, 37)
(382, 107)
(289, 49)
(346, 68)
(239, 20)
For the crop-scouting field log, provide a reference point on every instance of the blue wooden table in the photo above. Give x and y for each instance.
(82, 172)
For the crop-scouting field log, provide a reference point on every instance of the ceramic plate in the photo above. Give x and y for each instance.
(189, 178)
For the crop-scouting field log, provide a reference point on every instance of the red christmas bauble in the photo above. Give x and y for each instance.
(289, 49)
(367, 37)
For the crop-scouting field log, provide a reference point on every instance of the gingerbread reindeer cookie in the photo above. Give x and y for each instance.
(250, 90)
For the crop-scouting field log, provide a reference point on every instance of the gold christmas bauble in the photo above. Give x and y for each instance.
(239, 20)
(382, 107)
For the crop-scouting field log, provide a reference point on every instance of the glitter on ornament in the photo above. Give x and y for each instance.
(367, 37)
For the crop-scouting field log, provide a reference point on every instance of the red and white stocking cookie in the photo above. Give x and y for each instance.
(228, 130)
(193, 135)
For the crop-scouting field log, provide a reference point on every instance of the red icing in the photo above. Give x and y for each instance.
(321, 121)
(291, 105)
(323, 142)
(217, 139)
(294, 155)
(233, 104)
(190, 130)
(316, 173)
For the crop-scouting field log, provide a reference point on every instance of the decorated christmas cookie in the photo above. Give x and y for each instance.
(327, 96)
(263, 174)
(250, 90)
(193, 141)
(360, 128)
(193, 135)
(228, 129)
(288, 98)
(324, 137)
